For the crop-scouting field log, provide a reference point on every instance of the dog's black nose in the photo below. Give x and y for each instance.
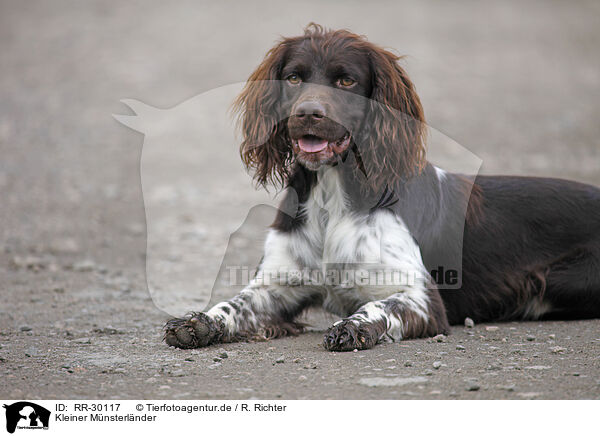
(310, 108)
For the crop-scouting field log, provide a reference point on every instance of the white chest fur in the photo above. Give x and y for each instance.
(360, 257)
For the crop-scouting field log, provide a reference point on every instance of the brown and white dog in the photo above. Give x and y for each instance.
(336, 119)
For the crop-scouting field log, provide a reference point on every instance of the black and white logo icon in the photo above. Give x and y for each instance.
(26, 415)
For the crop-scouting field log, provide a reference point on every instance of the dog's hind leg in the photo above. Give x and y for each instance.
(400, 316)
(573, 285)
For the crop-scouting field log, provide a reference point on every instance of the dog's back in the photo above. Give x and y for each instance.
(533, 253)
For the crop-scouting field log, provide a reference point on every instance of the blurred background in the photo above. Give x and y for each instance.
(516, 83)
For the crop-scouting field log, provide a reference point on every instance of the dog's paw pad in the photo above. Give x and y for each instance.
(194, 331)
(349, 335)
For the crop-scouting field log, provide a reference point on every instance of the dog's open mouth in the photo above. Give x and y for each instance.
(316, 144)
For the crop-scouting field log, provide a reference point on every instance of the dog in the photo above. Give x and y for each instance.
(336, 120)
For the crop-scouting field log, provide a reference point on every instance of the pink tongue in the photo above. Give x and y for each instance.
(312, 145)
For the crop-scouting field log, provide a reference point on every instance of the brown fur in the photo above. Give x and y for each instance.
(392, 142)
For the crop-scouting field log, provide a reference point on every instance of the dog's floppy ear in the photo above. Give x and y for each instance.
(393, 145)
(264, 148)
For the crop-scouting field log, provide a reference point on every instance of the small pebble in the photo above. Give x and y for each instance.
(216, 359)
(25, 328)
(439, 338)
(428, 372)
(29, 262)
(538, 367)
(297, 360)
(530, 338)
(303, 378)
(280, 359)
(32, 352)
(460, 348)
(223, 354)
(473, 387)
(469, 323)
(557, 350)
(64, 246)
(437, 364)
(552, 337)
(84, 266)
(407, 363)
(108, 331)
(491, 328)
(528, 394)
(508, 388)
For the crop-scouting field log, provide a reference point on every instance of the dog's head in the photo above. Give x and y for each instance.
(317, 97)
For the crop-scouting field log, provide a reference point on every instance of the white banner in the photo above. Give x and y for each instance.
(267, 417)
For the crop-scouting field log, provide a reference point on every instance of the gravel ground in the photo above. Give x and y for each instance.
(516, 83)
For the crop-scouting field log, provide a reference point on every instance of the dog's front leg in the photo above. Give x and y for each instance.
(400, 316)
(257, 313)
(265, 309)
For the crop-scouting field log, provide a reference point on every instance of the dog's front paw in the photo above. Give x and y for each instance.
(194, 331)
(348, 335)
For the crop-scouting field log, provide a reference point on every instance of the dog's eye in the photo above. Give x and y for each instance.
(346, 82)
(294, 79)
